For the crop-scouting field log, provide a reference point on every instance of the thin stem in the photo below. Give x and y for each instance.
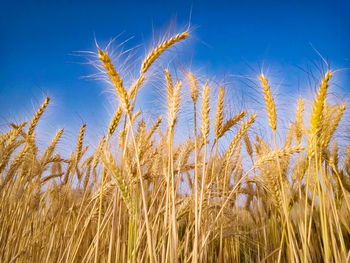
(195, 245)
(149, 237)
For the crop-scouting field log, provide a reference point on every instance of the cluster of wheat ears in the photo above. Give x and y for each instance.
(123, 203)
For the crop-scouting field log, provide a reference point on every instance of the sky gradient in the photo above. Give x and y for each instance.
(39, 41)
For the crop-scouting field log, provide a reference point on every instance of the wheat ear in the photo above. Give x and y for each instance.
(48, 152)
(37, 116)
(238, 136)
(205, 112)
(169, 85)
(231, 122)
(271, 156)
(335, 157)
(333, 126)
(248, 144)
(174, 105)
(299, 121)
(98, 152)
(317, 110)
(80, 143)
(270, 104)
(115, 78)
(194, 87)
(121, 183)
(153, 128)
(115, 121)
(219, 116)
(155, 53)
(13, 133)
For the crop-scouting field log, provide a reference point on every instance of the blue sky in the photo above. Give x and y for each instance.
(39, 40)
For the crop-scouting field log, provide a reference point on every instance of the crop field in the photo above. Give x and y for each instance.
(143, 194)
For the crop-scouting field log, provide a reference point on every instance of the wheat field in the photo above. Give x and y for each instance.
(142, 195)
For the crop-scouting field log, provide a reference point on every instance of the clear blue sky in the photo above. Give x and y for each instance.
(38, 38)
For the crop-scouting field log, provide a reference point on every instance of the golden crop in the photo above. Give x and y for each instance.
(126, 203)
